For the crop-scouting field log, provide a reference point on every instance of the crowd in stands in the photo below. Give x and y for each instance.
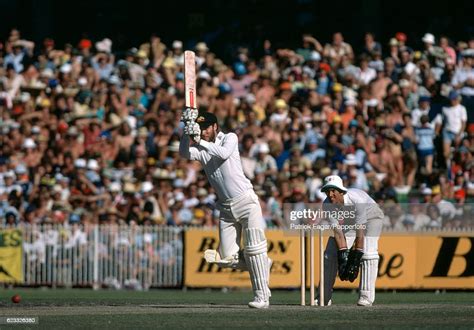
(91, 136)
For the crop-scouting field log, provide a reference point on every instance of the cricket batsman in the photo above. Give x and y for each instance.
(355, 243)
(240, 211)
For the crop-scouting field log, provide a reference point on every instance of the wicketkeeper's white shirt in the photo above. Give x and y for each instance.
(366, 208)
(221, 162)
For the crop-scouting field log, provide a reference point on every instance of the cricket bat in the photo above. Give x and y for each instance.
(190, 79)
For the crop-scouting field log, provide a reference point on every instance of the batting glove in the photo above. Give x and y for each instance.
(196, 138)
(189, 115)
(342, 256)
(194, 131)
(192, 128)
(353, 264)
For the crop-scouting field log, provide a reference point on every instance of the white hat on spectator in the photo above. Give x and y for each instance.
(350, 160)
(204, 75)
(404, 83)
(29, 143)
(73, 131)
(80, 163)
(47, 73)
(147, 187)
(21, 169)
(114, 80)
(82, 81)
(115, 120)
(426, 191)
(178, 44)
(179, 196)
(428, 38)
(315, 56)
(410, 68)
(66, 68)
(174, 146)
(115, 187)
(104, 45)
(202, 192)
(129, 187)
(372, 103)
(57, 188)
(350, 102)
(201, 46)
(9, 174)
(35, 130)
(263, 148)
(250, 98)
(92, 165)
(25, 97)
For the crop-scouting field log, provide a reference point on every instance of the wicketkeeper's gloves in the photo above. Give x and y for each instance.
(189, 115)
(342, 256)
(353, 264)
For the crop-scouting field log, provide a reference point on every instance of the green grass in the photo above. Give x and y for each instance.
(88, 309)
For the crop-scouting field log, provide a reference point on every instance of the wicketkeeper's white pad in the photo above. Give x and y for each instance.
(368, 277)
(257, 260)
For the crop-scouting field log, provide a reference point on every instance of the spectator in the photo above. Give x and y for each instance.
(371, 46)
(337, 49)
(425, 147)
(454, 120)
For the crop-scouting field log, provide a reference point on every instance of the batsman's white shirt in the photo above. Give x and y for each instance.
(221, 162)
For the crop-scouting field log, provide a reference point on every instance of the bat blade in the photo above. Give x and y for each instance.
(190, 79)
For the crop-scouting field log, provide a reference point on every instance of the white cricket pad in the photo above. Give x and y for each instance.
(257, 261)
(371, 247)
(367, 279)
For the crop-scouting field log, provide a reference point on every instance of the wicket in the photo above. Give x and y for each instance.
(311, 267)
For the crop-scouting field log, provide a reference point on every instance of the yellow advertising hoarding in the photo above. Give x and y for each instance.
(282, 248)
(406, 261)
(11, 256)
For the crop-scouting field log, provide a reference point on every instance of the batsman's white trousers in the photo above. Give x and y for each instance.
(236, 215)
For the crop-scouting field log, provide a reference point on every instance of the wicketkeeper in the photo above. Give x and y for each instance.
(357, 230)
(240, 211)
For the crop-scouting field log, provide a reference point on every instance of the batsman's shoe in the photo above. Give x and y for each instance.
(260, 302)
(316, 302)
(364, 302)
